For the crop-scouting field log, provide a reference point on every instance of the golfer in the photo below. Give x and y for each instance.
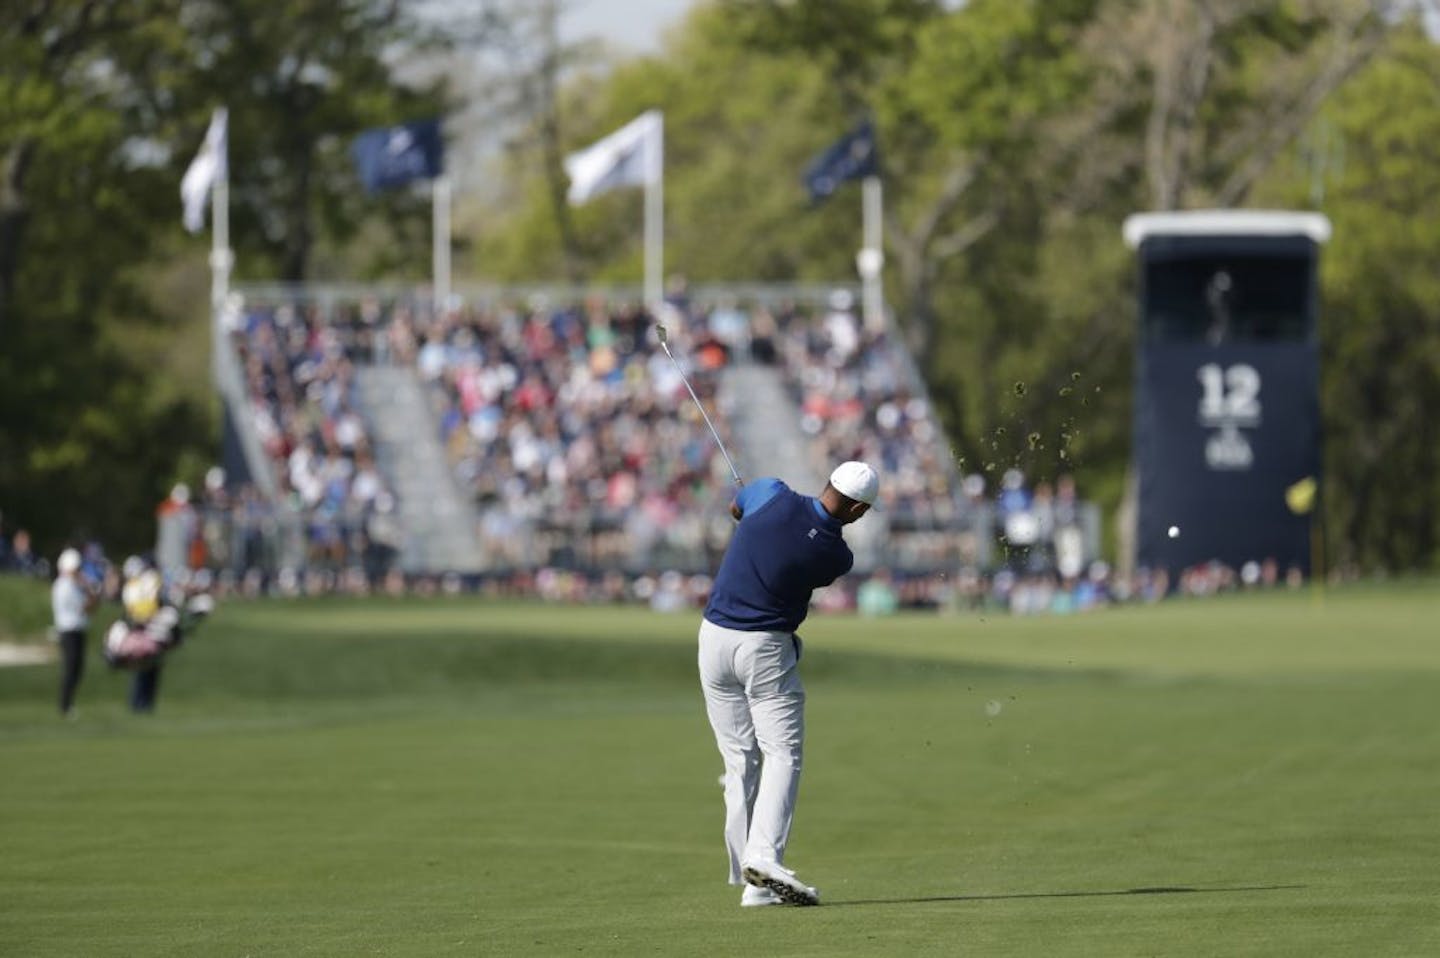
(71, 601)
(786, 546)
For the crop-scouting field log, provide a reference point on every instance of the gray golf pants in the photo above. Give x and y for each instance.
(756, 705)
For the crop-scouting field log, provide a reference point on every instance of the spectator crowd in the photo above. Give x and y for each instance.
(593, 475)
(573, 432)
(331, 509)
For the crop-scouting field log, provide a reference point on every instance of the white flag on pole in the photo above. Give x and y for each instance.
(203, 172)
(633, 155)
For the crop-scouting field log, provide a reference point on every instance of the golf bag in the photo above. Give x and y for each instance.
(132, 645)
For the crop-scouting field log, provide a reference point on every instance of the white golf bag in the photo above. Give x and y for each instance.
(153, 625)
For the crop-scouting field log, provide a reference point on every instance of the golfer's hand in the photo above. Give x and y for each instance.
(735, 512)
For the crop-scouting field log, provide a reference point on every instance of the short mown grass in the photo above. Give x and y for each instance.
(1244, 776)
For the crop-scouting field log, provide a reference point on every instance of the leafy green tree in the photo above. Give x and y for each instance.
(980, 121)
(855, 43)
(1015, 137)
(301, 79)
(1380, 365)
(52, 100)
(87, 442)
(102, 104)
(1212, 93)
(1203, 98)
(735, 205)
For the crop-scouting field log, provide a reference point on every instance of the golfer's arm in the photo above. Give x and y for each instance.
(755, 494)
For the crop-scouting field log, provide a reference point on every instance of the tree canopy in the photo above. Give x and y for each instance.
(1014, 137)
(104, 400)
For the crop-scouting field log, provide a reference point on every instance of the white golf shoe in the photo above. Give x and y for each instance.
(754, 896)
(780, 880)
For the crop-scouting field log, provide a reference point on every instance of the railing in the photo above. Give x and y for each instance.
(283, 542)
(484, 294)
(230, 384)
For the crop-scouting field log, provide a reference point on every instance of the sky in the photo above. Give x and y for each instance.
(636, 25)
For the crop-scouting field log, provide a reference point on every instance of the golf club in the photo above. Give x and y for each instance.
(660, 333)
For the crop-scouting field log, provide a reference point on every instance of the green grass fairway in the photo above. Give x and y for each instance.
(1240, 776)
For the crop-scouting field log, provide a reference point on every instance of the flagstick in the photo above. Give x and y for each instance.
(655, 218)
(872, 255)
(440, 188)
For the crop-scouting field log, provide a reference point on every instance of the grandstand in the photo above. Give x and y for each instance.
(524, 436)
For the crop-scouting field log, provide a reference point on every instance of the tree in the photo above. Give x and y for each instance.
(48, 49)
(102, 104)
(515, 101)
(301, 79)
(1206, 96)
(1380, 356)
(83, 432)
(1225, 86)
(1015, 137)
(969, 127)
(735, 205)
(855, 43)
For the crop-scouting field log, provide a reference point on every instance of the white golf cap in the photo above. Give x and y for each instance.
(69, 561)
(856, 480)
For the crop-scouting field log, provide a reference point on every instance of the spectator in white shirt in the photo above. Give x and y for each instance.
(71, 603)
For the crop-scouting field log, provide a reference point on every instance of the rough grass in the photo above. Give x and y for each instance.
(24, 609)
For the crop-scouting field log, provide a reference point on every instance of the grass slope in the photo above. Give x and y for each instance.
(1250, 776)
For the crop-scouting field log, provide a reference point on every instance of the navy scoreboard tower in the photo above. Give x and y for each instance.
(1227, 410)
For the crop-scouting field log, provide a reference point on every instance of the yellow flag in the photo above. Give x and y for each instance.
(1301, 496)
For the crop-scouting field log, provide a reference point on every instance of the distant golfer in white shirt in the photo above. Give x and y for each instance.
(786, 546)
(70, 603)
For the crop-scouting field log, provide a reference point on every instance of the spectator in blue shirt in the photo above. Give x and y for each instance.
(785, 546)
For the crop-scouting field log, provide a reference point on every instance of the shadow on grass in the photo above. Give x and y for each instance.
(1162, 890)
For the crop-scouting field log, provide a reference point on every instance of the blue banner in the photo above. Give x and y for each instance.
(852, 157)
(394, 156)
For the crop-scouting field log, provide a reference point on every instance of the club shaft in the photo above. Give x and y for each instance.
(704, 415)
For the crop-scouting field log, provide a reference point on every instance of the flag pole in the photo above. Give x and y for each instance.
(655, 216)
(222, 260)
(871, 258)
(440, 188)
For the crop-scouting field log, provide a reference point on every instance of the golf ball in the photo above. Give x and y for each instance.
(1173, 531)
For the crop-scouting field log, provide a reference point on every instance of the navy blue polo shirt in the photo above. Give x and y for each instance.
(785, 547)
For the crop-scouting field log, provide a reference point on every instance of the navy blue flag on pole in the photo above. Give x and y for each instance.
(393, 156)
(851, 157)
